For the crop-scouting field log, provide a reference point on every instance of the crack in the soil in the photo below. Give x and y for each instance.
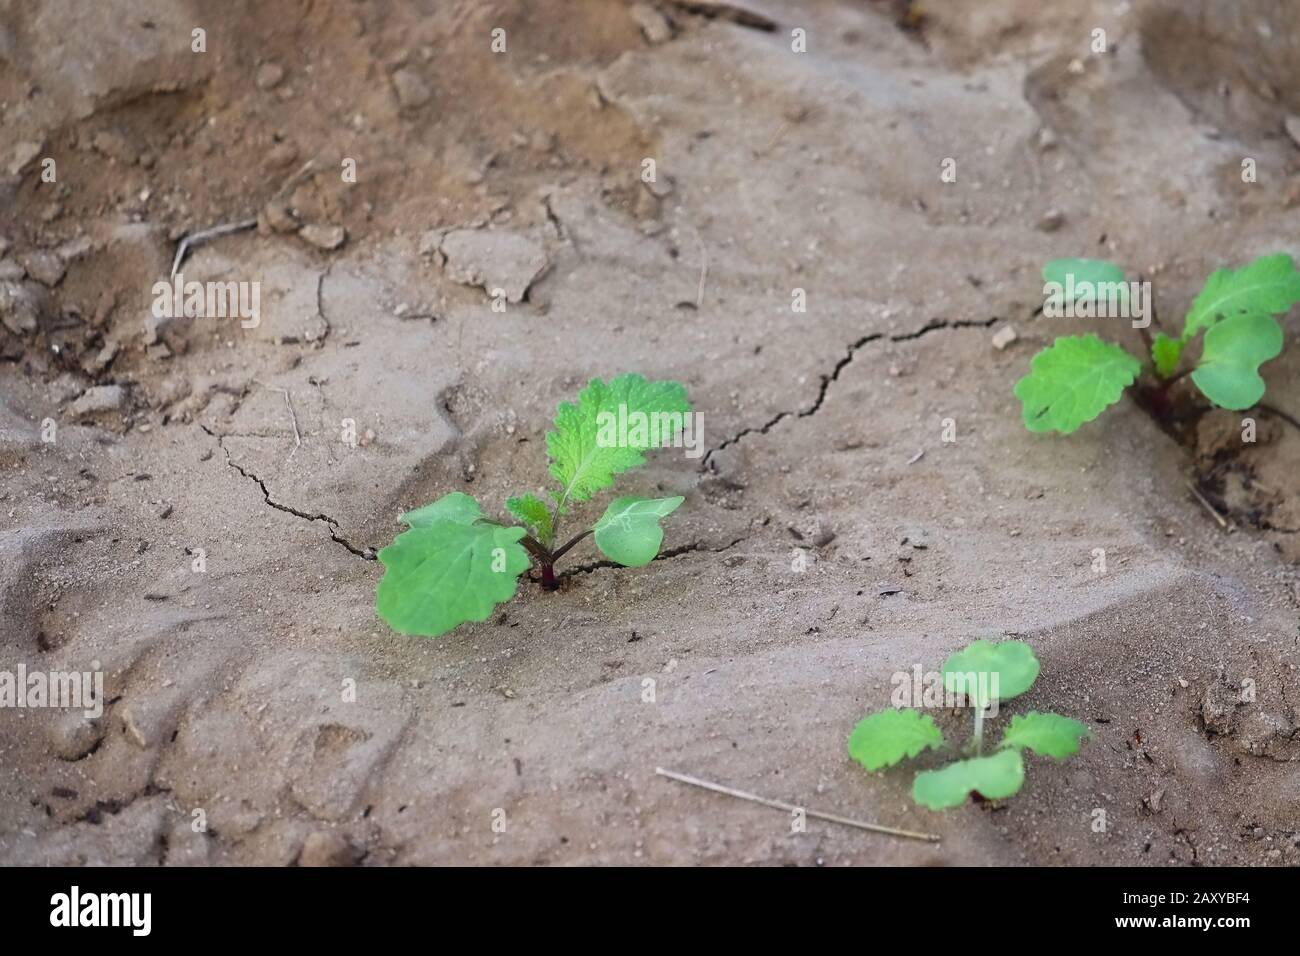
(367, 553)
(850, 354)
(661, 556)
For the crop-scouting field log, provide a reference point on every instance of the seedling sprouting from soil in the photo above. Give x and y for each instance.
(1077, 377)
(982, 675)
(454, 565)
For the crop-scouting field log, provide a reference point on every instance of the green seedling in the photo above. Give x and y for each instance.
(454, 565)
(984, 674)
(1077, 377)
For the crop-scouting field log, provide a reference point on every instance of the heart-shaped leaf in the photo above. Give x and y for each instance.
(443, 573)
(995, 777)
(1228, 373)
(884, 738)
(1072, 381)
(985, 671)
(457, 506)
(1048, 735)
(628, 533)
(1268, 286)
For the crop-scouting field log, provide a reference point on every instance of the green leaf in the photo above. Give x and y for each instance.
(1165, 353)
(1269, 285)
(1048, 735)
(985, 671)
(588, 447)
(884, 738)
(457, 506)
(628, 533)
(533, 512)
(442, 573)
(1072, 381)
(1228, 372)
(995, 778)
(1087, 273)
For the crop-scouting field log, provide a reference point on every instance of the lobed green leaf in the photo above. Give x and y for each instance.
(995, 777)
(884, 738)
(1048, 735)
(446, 570)
(533, 512)
(1269, 286)
(1073, 381)
(580, 461)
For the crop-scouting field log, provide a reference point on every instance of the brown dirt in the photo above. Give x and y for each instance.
(817, 170)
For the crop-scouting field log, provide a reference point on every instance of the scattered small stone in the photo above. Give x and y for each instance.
(45, 267)
(279, 217)
(101, 360)
(654, 25)
(23, 153)
(11, 270)
(1075, 67)
(1004, 337)
(281, 155)
(323, 848)
(73, 735)
(21, 306)
(269, 76)
(1293, 128)
(165, 511)
(327, 238)
(824, 535)
(1046, 139)
(132, 726)
(1219, 707)
(1052, 220)
(1155, 801)
(96, 400)
(412, 91)
(74, 249)
(493, 259)
(115, 146)
(918, 538)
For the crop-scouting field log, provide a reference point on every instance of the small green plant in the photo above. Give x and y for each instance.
(983, 674)
(454, 565)
(1077, 377)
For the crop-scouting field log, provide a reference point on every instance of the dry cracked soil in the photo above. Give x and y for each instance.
(262, 695)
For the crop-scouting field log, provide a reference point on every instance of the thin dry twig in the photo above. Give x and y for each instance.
(789, 807)
(1205, 503)
(704, 271)
(188, 242)
(293, 416)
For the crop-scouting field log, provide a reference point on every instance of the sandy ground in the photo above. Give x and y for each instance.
(776, 170)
